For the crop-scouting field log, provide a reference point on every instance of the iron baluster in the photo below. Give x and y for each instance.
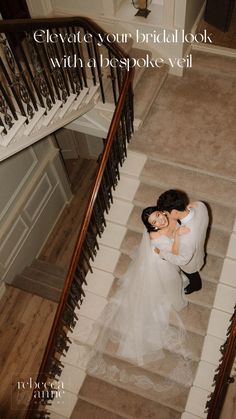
(41, 73)
(79, 53)
(1, 121)
(113, 78)
(61, 73)
(57, 72)
(13, 88)
(33, 80)
(50, 68)
(64, 48)
(91, 57)
(6, 103)
(100, 75)
(18, 83)
(77, 71)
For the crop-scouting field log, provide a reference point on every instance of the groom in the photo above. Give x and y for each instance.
(191, 245)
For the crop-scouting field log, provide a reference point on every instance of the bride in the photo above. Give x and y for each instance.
(141, 322)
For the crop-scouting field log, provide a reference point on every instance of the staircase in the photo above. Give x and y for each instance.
(101, 399)
(43, 279)
(145, 176)
(38, 98)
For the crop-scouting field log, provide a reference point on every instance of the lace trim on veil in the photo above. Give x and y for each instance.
(138, 329)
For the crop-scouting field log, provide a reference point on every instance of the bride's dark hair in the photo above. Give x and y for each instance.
(145, 216)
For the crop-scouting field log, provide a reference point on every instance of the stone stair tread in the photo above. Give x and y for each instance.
(212, 269)
(174, 394)
(44, 278)
(85, 410)
(195, 318)
(221, 216)
(50, 268)
(205, 186)
(126, 403)
(147, 90)
(36, 287)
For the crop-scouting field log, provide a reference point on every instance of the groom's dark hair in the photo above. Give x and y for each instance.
(173, 199)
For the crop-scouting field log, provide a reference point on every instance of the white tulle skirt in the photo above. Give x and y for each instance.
(140, 325)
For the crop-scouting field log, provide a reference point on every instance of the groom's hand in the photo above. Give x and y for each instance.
(157, 250)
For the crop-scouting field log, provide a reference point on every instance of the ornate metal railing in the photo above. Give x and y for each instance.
(44, 62)
(223, 376)
(30, 69)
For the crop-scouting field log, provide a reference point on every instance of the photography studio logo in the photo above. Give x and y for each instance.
(26, 388)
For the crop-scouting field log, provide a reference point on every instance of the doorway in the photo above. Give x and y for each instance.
(221, 38)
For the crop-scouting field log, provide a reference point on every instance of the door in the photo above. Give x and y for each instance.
(219, 12)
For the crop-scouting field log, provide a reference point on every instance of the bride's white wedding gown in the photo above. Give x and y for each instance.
(140, 321)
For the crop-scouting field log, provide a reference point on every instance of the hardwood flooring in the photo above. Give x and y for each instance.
(60, 245)
(25, 323)
(223, 39)
(26, 319)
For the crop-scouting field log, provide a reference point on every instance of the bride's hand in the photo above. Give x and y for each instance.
(182, 230)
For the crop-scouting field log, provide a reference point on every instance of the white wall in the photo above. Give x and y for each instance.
(80, 7)
(32, 196)
(39, 8)
(193, 8)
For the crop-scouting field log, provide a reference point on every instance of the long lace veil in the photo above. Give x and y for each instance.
(140, 337)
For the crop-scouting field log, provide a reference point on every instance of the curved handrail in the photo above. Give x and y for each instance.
(13, 26)
(87, 217)
(21, 25)
(222, 378)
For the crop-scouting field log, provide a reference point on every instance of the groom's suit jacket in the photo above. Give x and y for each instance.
(191, 245)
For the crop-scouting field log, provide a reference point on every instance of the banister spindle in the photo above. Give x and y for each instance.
(79, 53)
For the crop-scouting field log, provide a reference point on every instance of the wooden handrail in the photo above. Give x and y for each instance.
(87, 217)
(222, 378)
(21, 25)
(13, 27)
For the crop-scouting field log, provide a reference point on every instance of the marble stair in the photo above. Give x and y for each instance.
(141, 183)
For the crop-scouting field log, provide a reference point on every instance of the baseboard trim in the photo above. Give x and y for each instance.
(215, 49)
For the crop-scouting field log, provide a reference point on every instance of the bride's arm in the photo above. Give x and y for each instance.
(175, 246)
(178, 232)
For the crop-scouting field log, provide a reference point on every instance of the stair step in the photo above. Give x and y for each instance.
(85, 410)
(44, 278)
(6, 139)
(37, 288)
(222, 216)
(195, 318)
(50, 268)
(128, 404)
(205, 186)
(147, 90)
(173, 394)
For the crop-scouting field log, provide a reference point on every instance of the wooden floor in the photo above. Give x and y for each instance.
(223, 39)
(25, 322)
(26, 319)
(60, 245)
